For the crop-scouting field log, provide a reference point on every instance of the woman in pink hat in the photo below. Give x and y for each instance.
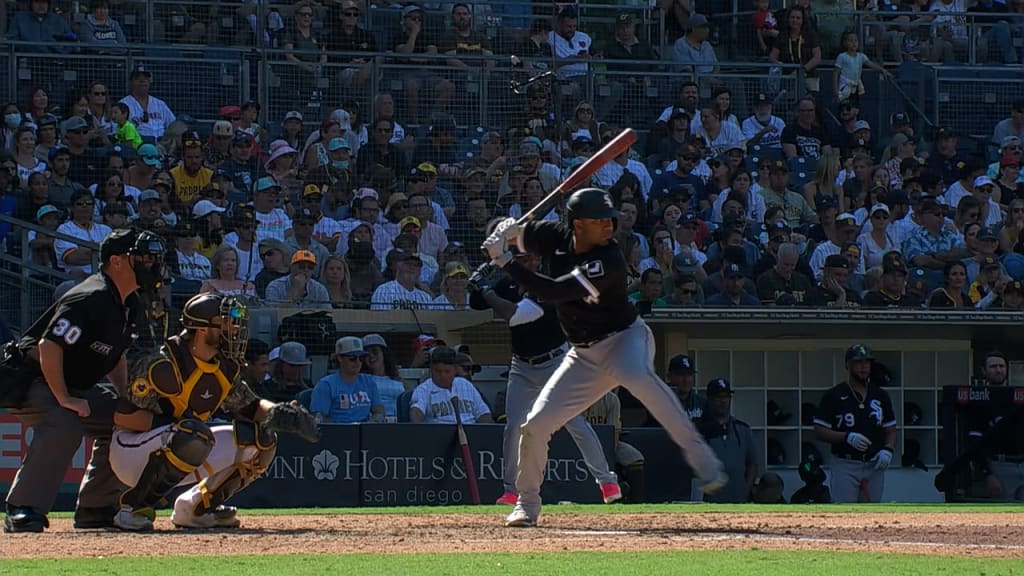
(282, 166)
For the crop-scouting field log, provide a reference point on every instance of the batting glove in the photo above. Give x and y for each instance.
(497, 251)
(883, 458)
(858, 441)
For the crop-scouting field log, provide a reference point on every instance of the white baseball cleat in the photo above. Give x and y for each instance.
(520, 518)
(132, 521)
(221, 517)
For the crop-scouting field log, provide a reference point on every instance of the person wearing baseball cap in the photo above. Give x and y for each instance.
(42, 253)
(454, 295)
(286, 382)
(347, 396)
(762, 127)
(847, 230)
(732, 441)
(381, 366)
(83, 338)
(1013, 296)
(891, 294)
(157, 116)
(681, 372)
(431, 401)
(799, 212)
(988, 282)
(299, 288)
(302, 238)
(271, 220)
(832, 291)
(402, 292)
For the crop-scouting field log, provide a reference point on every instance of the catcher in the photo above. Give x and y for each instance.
(161, 435)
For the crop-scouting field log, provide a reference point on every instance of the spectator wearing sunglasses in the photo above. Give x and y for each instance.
(190, 176)
(75, 259)
(150, 114)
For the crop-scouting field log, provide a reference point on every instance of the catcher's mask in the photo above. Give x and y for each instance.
(203, 310)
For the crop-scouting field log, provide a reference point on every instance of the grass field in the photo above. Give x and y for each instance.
(537, 552)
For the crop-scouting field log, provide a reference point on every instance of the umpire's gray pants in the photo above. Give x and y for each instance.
(846, 477)
(57, 433)
(525, 382)
(585, 375)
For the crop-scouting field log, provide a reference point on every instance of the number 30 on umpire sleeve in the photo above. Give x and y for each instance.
(67, 330)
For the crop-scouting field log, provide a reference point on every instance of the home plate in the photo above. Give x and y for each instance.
(601, 532)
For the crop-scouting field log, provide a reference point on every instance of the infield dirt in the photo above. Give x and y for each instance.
(948, 534)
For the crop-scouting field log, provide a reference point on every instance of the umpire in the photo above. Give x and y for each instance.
(71, 347)
(857, 419)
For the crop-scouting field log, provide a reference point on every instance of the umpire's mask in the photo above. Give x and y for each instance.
(148, 246)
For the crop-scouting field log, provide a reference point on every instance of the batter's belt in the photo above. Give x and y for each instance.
(541, 358)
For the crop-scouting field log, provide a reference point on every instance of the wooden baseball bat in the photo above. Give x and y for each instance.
(582, 174)
(467, 454)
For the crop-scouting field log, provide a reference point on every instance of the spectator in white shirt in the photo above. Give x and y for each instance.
(271, 221)
(568, 42)
(762, 127)
(298, 287)
(326, 230)
(431, 401)
(610, 173)
(401, 293)
(150, 114)
(75, 259)
(191, 264)
(432, 237)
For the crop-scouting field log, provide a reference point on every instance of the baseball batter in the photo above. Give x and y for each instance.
(857, 419)
(161, 436)
(610, 345)
(538, 345)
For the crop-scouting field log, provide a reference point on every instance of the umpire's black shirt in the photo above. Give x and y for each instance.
(528, 340)
(589, 289)
(93, 326)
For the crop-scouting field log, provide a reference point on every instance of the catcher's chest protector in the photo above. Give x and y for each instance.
(184, 386)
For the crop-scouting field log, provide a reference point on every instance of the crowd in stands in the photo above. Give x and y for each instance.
(721, 205)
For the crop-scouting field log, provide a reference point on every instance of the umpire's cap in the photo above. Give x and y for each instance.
(592, 203)
(127, 241)
(859, 352)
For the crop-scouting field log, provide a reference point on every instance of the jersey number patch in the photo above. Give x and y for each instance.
(67, 330)
(845, 420)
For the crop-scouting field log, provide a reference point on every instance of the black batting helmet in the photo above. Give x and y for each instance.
(202, 309)
(592, 203)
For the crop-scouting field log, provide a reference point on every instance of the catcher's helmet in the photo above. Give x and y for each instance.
(202, 310)
(592, 203)
(859, 352)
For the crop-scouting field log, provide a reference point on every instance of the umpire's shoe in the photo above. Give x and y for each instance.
(140, 520)
(93, 518)
(24, 519)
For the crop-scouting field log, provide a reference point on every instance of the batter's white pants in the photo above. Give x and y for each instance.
(585, 375)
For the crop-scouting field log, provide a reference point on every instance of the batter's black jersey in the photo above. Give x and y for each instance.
(93, 326)
(588, 290)
(535, 338)
(842, 411)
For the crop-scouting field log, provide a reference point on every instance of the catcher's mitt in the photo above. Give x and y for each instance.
(294, 419)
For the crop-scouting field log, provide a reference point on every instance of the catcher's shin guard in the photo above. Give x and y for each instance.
(189, 446)
(256, 450)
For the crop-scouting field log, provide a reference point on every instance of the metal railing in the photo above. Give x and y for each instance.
(26, 289)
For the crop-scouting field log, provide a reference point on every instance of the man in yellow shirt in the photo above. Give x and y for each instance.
(190, 176)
